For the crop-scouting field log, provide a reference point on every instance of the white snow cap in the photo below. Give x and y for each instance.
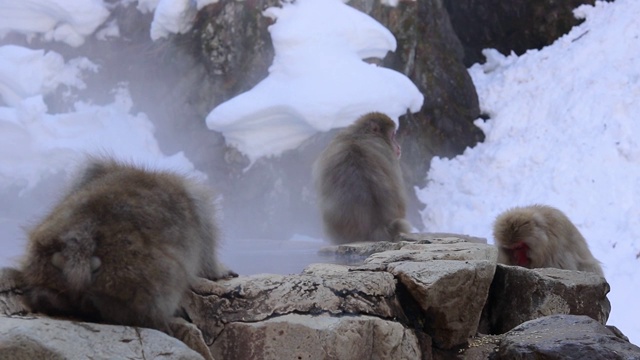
(317, 81)
(69, 21)
(35, 144)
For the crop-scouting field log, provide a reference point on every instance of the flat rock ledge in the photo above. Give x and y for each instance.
(425, 296)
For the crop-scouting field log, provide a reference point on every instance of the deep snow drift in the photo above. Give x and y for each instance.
(564, 131)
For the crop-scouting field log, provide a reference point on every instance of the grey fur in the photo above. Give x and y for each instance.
(553, 240)
(359, 183)
(122, 247)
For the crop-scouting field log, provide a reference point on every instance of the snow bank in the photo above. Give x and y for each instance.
(317, 81)
(69, 21)
(35, 144)
(563, 131)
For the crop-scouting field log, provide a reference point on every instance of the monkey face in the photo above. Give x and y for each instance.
(519, 254)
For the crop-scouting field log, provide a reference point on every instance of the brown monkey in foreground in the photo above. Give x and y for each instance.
(359, 183)
(122, 247)
(541, 236)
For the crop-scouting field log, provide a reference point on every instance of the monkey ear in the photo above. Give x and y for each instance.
(375, 127)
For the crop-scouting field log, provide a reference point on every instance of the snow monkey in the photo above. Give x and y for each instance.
(122, 247)
(540, 236)
(360, 188)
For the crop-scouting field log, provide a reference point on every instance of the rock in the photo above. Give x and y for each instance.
(11, 292)
(426, 252)
(421, 301)
(510, 25)
(356, 253)
(451, 295)
(431, 55)
(440, 238)
(332, 290)
(296, 336)
(519, 295)
(564, 337)
(232, 42)
(43, 338)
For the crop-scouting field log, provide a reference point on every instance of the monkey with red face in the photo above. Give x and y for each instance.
(541, 236)
(359, 183)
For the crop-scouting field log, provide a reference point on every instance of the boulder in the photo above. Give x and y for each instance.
(44, 338)
(330, 289)
(519, 295)
(295, 336)
(451, 295)
(564, 337)
(422, 300)
(510, 25)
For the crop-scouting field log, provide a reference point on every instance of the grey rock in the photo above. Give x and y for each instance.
(43, 338)
(426, 252)
(295, 336)
(519, 295)
(430, 245)
(450, 293)
(510, 25)
(256, 298)
(11, 285)
(564, 337)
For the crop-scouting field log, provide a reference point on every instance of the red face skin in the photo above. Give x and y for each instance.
(519, 254)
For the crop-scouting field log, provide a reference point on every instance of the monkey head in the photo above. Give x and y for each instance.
(520, 238)
(380, 125)
(60, 266)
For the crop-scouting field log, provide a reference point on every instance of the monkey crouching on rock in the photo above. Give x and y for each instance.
(540, 236)
(122, 247)
(359, 183)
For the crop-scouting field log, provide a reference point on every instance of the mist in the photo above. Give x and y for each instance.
(145, 102)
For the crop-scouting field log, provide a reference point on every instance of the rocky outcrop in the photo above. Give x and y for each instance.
(233, 44)
(519, 295)
(26, 338)
(422, 299)
(510, 25)
(564, 337)
(296, 336)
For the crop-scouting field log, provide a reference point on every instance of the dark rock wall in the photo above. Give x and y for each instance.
(508, 25)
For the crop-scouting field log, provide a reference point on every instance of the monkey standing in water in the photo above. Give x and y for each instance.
(359, 182)
(122, 247)
(540, 236)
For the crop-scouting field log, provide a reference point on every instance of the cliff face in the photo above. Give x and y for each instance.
(430, 296)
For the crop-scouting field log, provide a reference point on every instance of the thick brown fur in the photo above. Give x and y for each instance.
(551, 239)
(122, 247)
(361, 193)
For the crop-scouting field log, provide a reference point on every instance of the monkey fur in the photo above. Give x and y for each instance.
(122, 247)
(540, 236)
(359, 183)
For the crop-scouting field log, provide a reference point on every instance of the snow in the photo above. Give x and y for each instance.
(562, 129)
(172, 17)
(35, 144)
(67, 21)
(317, 81)
(564, 132)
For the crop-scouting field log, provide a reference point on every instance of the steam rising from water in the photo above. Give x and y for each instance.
(145, 101)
